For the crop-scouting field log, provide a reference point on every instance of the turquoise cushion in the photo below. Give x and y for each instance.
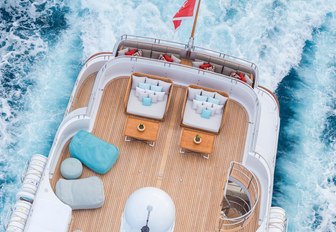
(213, 100)
(201, 98)
(206, 113)
(144, 85)
(71, 168)
(146, 101)
(156, 88)
(93, 152)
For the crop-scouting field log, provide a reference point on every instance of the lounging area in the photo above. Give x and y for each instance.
(162, 166)
(204, 109)
(98, 156)
(148, 96)
(197, 60)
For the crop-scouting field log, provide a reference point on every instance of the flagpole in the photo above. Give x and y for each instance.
(195, 20)
(191, 39)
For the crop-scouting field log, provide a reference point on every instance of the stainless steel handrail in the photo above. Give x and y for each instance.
(225, 56)
(244, 217)
(244, 203)
(195, 48)
(151, 39)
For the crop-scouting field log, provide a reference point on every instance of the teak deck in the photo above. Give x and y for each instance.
(194, 183)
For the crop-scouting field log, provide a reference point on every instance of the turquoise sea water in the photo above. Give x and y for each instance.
(44, 43)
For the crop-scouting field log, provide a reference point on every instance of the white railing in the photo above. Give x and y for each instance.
(80, 78)
(227, 57)
(195, 48)
(153, 40)
(248, 180)
(205, 51)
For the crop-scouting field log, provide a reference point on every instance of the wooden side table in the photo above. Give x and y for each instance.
(149, 135)
(187, 143)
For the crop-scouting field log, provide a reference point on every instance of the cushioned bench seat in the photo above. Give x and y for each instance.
(93, 152)
(156, 110)
(204, 108)
(148, 96)
(87, 193)
(194, 120)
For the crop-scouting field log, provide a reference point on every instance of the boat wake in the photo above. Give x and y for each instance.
(305, 180)
(43, 45)
(36, 82)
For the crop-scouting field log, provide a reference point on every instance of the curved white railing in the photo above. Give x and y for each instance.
(195, 48)
(153, 40)
(93, 64)
(244, 177)
(66, 130)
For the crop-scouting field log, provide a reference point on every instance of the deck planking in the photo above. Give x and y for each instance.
(194, 183)
(83, 93)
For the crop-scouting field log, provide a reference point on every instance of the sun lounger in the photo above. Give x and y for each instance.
(87, 193)
(204, 108)
(157, 90)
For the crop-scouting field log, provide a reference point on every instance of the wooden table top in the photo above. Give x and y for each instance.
(149, 134)
(187, 141)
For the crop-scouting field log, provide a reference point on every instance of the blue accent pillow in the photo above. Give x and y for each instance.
(144, 85)
(156, 88)
(146, 101)
(206, 113)
(213, 100)
(201, 98)
(96, 154)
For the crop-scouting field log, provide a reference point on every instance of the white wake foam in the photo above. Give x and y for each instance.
(269, 33)
(309, 189)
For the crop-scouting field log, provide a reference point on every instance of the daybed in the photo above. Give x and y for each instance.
(204, 108)
(148, 96)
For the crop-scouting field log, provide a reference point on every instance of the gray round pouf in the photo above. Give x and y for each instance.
(71, 168)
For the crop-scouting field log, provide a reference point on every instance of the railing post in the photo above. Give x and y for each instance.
(251, 178)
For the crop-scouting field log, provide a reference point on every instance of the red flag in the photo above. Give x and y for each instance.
(186, 11)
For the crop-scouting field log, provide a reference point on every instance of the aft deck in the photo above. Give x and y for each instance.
(194, 183)
(83, 94)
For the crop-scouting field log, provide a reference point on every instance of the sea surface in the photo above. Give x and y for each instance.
(43, 45)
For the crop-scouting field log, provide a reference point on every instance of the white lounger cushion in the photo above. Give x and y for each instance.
(193, 92)
(156, 110)
(165, 86)
(136, 80)
(193, 119)
(87, 193)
